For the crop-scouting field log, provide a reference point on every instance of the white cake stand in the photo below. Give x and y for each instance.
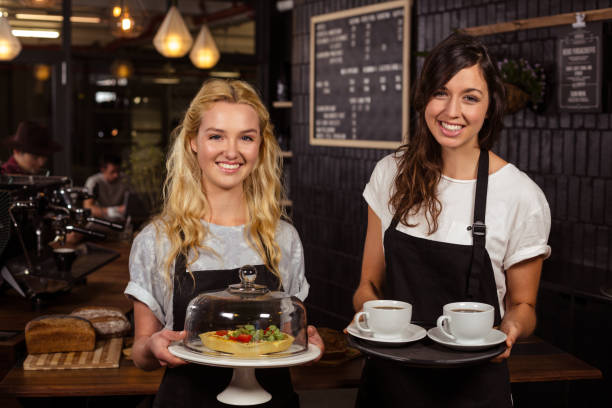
(243, 389)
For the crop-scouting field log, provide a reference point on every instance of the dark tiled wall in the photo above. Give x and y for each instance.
(326, 187)
(568, 155)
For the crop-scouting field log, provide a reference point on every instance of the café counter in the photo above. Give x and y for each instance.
(532, 360)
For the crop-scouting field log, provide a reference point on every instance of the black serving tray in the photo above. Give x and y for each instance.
(426, 353)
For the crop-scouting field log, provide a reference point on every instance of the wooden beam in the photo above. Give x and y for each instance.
(538, 22)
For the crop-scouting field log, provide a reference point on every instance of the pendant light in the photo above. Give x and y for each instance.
(204, 53)
(10, 46)
(173, 39)
(126, 24)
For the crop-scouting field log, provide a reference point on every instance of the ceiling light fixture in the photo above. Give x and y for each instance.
(58, 18)
(21, 32)
(127, 24)
(173, 40)
(116, 11)
(10, 46)
(39, 3)
(204, 53)
(126, 20)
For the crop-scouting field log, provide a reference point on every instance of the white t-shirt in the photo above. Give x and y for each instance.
(517, 215)
(148, 285)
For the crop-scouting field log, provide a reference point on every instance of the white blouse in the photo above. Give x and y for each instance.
(148, 285)
(517, 215)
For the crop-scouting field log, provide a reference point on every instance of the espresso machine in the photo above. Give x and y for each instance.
(37, 214)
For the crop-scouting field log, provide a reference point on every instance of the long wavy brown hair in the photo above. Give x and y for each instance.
(420, 160)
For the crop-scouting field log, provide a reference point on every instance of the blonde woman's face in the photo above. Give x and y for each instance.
(227, 145)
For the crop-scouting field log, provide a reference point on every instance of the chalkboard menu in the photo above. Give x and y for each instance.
(579, 62)
(359, 78)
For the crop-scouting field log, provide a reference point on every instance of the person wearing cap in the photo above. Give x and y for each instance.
(32, 145)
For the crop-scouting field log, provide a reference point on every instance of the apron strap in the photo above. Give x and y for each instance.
(180, 264)
(394, 222)
(479, 228)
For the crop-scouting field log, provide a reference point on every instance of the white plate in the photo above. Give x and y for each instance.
(494, 338)
(411, 333)
(187, 354)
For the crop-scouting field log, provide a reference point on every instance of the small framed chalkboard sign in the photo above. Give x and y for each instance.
(579, 60)
(359, 76)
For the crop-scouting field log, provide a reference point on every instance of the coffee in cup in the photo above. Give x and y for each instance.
(466, 322)
(386, 319)
(64, 257)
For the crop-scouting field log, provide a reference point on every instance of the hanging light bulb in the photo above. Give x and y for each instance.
(173, 39)
(126, 24)
(10, 46)
(204, 53)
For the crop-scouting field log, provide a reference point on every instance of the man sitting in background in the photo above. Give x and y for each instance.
(108, 190)
(31, 147)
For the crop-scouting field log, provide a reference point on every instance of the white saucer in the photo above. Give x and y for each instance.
(411, 333)
(494, 338)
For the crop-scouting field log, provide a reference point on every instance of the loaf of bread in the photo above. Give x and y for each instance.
(59, 333)
(107, 321)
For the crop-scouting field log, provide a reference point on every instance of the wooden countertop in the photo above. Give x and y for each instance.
(104, 287)
(125, 380)
(532, 359)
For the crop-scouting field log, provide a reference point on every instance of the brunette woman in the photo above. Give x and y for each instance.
(436, 234)
(221, 211)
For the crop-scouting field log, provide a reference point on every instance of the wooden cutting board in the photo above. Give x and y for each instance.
(106, 355)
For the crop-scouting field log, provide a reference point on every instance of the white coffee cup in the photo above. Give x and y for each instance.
(466, 322)
(386, 319)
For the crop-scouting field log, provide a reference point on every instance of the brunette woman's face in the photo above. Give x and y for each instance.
(456, 112)
(227, 145)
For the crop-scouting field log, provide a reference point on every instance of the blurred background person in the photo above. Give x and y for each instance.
(31, 145)
(110, 192)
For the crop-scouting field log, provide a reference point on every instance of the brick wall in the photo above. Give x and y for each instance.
(326, 187)
(568, 155)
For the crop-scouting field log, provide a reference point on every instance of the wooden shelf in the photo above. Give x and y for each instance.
(282, 104)
(287, 153)
(539, 22)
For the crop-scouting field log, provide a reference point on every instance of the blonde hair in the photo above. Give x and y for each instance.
(184, 200)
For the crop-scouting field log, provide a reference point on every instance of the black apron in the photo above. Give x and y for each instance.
(195, 385)
(429, 274)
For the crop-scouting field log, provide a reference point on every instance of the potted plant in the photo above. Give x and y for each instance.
(525, 84)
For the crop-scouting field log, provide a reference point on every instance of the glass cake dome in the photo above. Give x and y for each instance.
(246, 320)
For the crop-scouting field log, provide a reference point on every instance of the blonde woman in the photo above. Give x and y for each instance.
(221, 211)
